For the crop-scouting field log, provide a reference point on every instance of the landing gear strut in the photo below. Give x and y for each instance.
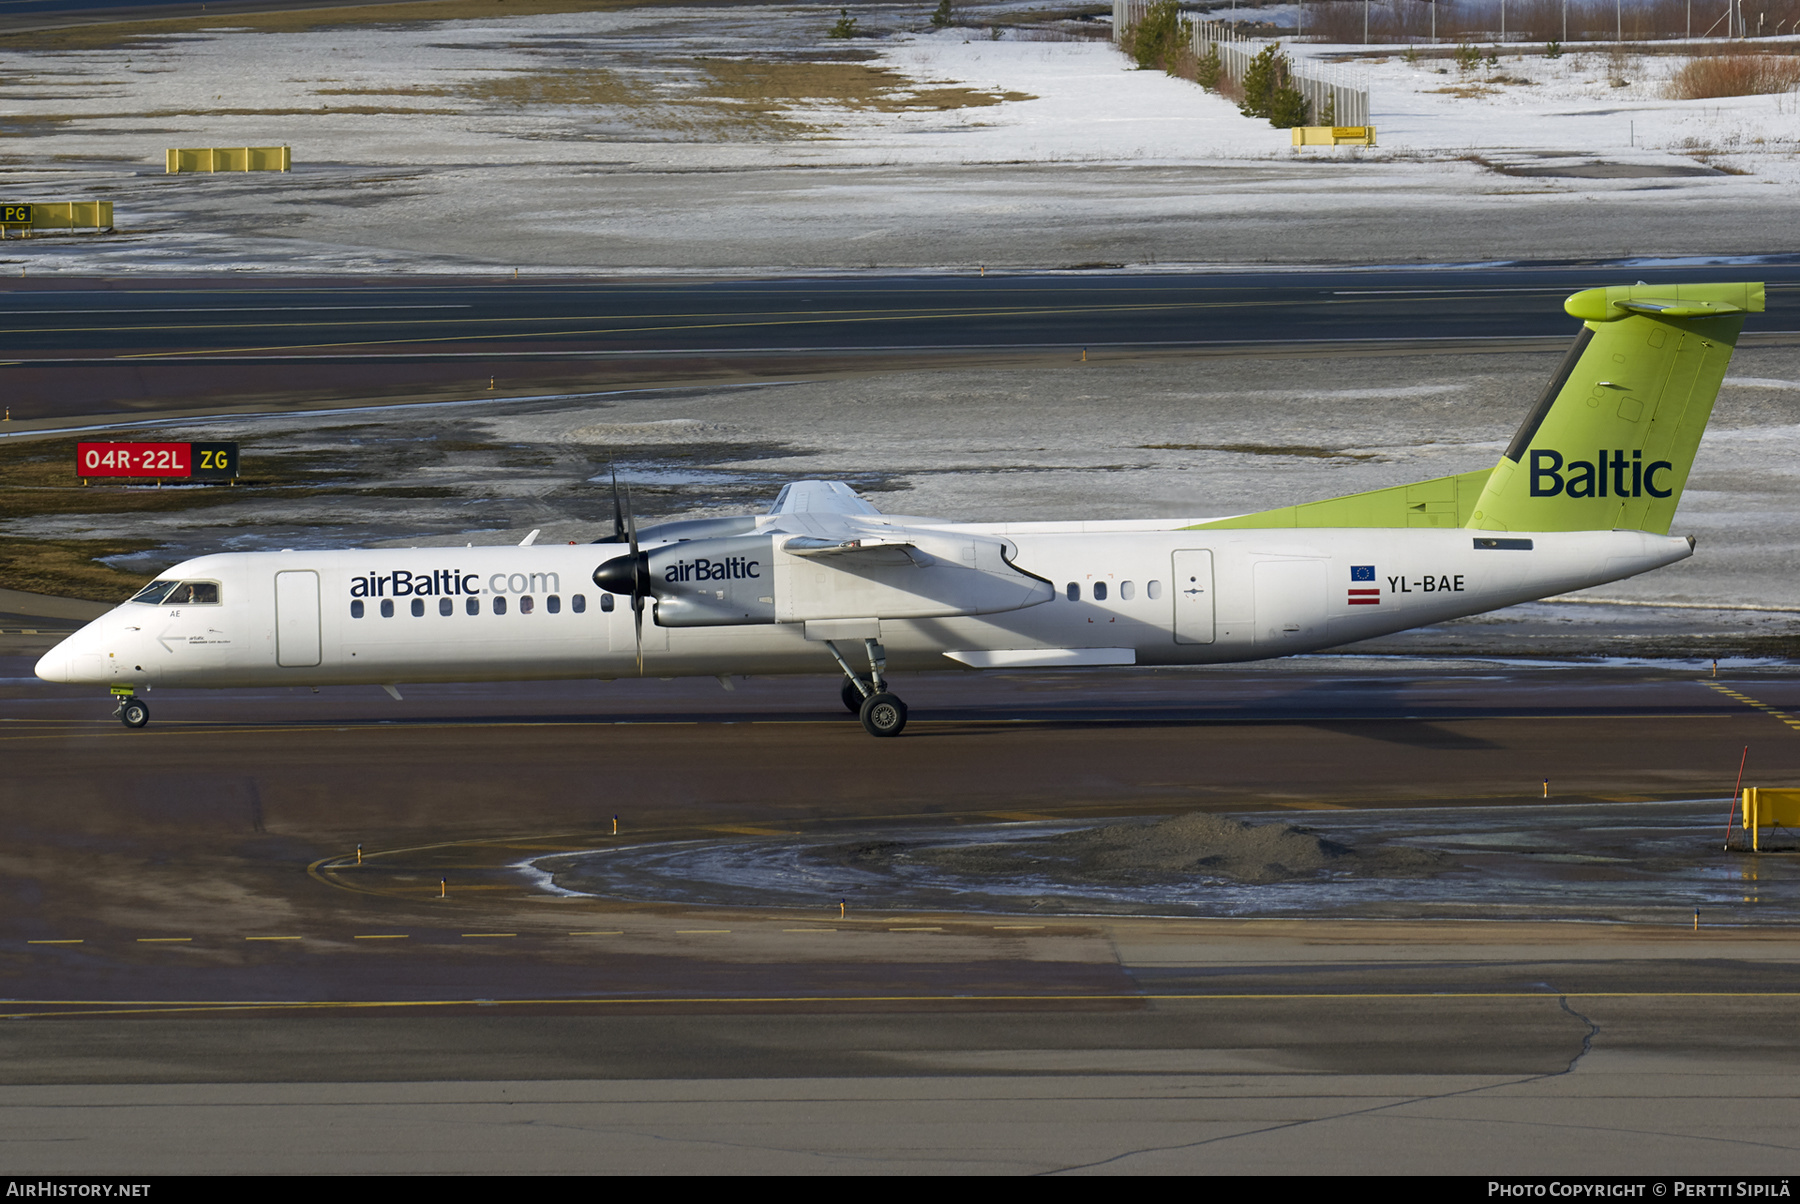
(882, 714)
(133, 712)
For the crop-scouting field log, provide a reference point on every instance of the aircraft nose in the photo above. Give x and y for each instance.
(54, 664)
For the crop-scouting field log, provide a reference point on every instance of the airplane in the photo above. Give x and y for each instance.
(1584, 494)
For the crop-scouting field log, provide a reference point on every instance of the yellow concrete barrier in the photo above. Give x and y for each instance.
(229, 158)
(1334, 135)
(56, 215)
(1765, 808)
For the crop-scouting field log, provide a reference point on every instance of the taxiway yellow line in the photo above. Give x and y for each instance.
(147, 1007)
(1757, 704)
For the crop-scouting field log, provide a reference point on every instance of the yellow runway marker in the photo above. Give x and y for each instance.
(616, 932)
(163, 940)
(812, 929)
(381, 936)
(700, 931)
(915, 930)
(272, 938)
(53, 942)
(1758, 704)
(472, 935)
(1018, 927)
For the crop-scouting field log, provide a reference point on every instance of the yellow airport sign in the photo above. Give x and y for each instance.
(228, 158)
(57, 215)
(1765, 808)
(1334, 135)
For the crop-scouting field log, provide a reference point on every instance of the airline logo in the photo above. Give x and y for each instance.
(1363, 590)
(729, 568)
(1551, 477)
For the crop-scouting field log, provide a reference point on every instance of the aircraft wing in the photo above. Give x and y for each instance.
(819, 497)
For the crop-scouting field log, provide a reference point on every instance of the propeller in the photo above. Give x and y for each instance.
(640, 581)
(628, 574)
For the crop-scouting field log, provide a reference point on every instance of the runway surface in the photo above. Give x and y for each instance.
(85, 347)
(205, 979)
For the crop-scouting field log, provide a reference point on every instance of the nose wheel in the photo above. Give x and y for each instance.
(133, 712)
(866, 696)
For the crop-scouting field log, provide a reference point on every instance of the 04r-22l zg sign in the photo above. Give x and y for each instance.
(178, 461)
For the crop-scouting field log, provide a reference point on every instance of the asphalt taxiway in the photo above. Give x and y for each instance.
(202, 977)
(80, 347)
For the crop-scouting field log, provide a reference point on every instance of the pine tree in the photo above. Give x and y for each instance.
(1266, 73)
(1208, 67)
(941, 17)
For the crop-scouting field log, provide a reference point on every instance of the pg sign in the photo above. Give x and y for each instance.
(178, 461)
(15, 215)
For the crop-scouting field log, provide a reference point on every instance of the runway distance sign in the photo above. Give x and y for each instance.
(178, 461)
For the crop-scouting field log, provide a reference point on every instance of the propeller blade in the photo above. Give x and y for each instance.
(637, 628)
(618, 535)
(630, 520)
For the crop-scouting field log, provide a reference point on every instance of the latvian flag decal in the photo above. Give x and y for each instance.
(1364, 595)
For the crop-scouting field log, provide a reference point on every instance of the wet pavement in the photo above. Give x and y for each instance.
(1648, 862)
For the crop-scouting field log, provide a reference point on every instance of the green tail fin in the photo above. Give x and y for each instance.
(1610, 443)
(1636, 388)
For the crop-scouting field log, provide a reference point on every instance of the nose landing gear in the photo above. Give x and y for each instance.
(133, 712)
(882, 713)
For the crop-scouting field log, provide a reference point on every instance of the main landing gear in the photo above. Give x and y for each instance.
(133, 712)
(882, 714)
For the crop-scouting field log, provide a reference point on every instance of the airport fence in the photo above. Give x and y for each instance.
(1328, 90)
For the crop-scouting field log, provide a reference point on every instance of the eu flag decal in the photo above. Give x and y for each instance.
(1364, 596)
(1362, 572)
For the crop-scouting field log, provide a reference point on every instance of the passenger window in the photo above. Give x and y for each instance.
(1099, 591)
(1074, 591)
(446, 607)
(499, 606)
(387, 608)
(356, 609)
(418, 608)
(1153, 589)
(524, 606)
(553, 604)
(606, 603)
(578, 604)
(1127, 591)
(473, 606)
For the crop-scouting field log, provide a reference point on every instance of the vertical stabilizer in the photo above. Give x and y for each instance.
(1610, 443)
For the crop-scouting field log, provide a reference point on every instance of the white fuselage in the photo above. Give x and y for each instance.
(1172, 597)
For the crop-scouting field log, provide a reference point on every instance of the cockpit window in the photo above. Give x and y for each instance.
(194, 593)
(179, 593)
(155, 592)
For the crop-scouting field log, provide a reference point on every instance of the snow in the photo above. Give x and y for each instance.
(404, 148)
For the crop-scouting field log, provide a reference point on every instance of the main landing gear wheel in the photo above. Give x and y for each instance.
(883, 714)
(853, 697)
(134, 713)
